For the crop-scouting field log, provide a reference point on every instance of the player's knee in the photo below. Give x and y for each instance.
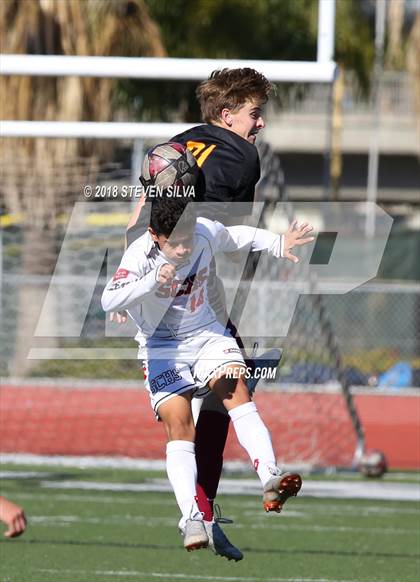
(231, 389)
(180, 430)
(241, 392)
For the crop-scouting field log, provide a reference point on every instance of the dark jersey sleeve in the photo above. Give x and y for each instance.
(230, 170)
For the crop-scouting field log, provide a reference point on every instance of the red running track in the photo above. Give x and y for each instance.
(305, 426)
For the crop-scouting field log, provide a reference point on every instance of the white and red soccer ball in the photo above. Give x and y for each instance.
(373, 464)
(167, 165)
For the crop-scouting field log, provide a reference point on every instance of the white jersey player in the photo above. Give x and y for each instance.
(162, 283)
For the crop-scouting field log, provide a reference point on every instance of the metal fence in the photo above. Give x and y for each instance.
(375, 326)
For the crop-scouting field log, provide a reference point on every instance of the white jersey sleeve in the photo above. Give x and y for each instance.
(127, 288)
(134, 280)
(237, 238)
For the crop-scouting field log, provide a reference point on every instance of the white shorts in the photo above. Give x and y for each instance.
(174, 365)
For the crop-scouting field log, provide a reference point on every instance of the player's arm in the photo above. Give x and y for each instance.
(233, 238)
(136, 227)
(127, 288)
(138, 223)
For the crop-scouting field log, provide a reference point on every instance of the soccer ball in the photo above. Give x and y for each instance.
(167, 165)
(373, 464)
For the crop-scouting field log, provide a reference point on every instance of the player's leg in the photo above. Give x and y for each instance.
(211, 433)
(208, 413)
(251, 431)
(171, 400)
(181, 468)
(212, 429)
(202, 498)
(212, 426)
(254, 436)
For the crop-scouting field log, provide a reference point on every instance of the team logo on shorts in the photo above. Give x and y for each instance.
(232, 351)
(164, 380)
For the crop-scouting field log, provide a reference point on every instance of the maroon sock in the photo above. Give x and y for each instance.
(203, 503)
(211, 434)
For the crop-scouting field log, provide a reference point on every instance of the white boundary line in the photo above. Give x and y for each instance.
(378, 490)
(97, 462)
(83, 462)
(317, 489)
(180, 576)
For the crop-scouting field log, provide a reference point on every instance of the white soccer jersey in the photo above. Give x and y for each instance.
(180, 308)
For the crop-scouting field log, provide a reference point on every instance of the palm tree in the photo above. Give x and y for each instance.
(41, 177)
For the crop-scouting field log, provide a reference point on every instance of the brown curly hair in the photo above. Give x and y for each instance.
(230, 89)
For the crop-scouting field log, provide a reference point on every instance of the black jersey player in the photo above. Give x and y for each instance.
(231, 103)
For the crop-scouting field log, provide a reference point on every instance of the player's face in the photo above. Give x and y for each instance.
(178, 247)
(248, 121)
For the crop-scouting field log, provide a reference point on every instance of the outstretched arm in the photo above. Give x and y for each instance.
(295, 235)
(235, 238)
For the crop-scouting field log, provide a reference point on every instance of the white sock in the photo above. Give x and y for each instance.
(181, 468)
(254, 437)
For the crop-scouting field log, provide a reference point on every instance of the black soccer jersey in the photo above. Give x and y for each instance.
(230, 165)
(230, 169)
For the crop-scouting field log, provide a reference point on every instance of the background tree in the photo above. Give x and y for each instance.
(41, 178)
(245, 29)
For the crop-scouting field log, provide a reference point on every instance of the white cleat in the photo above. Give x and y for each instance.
(195, 536)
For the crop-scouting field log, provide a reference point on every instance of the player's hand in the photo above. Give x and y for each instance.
(166, 273)
(118, 316)
(14, 517)
(296, 236)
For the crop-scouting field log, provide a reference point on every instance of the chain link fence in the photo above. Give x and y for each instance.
(57, 249)
(376, 325)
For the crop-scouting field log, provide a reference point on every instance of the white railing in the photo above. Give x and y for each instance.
(160, 68)
(180, 69)
(91, 129)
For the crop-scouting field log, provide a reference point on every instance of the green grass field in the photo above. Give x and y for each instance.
(91, 535)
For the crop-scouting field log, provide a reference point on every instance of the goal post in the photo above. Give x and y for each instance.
(158, 69)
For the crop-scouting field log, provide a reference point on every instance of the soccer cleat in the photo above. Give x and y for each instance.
(218, 542)
(278, 490)
(270, 360)
(195, 536)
